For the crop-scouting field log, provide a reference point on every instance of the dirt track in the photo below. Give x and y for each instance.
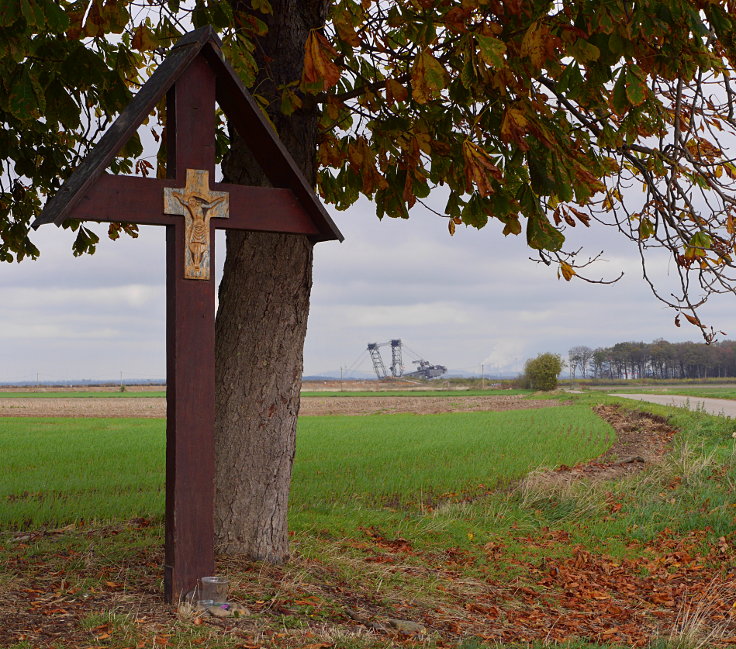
(156, 407)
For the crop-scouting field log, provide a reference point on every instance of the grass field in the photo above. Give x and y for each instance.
(61, 470)
(389, 522)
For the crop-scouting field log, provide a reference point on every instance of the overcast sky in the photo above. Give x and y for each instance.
(460, 301)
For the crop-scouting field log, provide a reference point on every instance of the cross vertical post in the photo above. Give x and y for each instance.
(190, 350)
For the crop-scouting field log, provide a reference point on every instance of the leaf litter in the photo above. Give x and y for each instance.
(70, 587)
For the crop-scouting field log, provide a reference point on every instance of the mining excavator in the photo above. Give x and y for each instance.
(424, 369)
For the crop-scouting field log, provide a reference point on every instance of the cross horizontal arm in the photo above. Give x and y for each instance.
(130, 199)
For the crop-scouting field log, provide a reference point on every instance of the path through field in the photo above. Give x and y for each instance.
(725, 407)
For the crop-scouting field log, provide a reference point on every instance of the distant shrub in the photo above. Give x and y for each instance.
(541, 373)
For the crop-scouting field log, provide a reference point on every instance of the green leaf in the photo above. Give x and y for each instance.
(571, 79)
(26, 96)
(9, 13)
(63, 107)
(32, 12)
(540, 233)
(491, 50)
(636, 87)
(583, 51)
(132, 148)
(646, 228)
(454, 205)
(475, 212)
(56, 20)
(619, 98)
(542, 183)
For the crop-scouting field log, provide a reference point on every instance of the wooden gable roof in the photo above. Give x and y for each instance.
(239, 107)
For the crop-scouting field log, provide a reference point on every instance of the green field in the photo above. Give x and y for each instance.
(61, 470)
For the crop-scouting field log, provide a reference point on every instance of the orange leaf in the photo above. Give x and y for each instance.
(320, 71)
(568, 272)
(537, 44)
(479, 168)
(514, 127)
(395, 91)
(693, 320)
(143, 39)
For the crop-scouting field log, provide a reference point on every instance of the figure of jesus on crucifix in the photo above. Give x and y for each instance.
(197, 204)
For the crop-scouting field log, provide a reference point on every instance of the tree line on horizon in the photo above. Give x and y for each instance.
(659, 359)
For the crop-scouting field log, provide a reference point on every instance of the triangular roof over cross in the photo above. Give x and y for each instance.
(242, 112)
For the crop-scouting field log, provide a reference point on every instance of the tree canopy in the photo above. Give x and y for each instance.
(531, 116)
(541, 372)
(659, 359)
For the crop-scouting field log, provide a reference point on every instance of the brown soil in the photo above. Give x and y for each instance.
(642, 439)
(417, 405)
(81, 407)
(156, 407)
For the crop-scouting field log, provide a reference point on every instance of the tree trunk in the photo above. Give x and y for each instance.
(262, 319)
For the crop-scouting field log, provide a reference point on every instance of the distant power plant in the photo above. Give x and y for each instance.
(424, 369)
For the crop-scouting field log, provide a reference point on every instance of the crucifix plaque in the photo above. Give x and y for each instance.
(192, 78)
(197, 204)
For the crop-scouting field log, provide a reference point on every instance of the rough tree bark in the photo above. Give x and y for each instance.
(262, 319)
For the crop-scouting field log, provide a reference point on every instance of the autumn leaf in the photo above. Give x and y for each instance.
(290, 101)
(537, 44)
(427, 77)
(395, 91)
(567, 271)
(514, 127)
(320, 71)
(143, 39)
(345, 29)
(479, 168)
(491, 50)
(583, 51)
(646, 229)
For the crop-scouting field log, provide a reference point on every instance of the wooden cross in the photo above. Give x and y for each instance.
(192, 78)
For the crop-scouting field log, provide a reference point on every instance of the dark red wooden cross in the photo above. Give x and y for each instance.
(191, 206)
